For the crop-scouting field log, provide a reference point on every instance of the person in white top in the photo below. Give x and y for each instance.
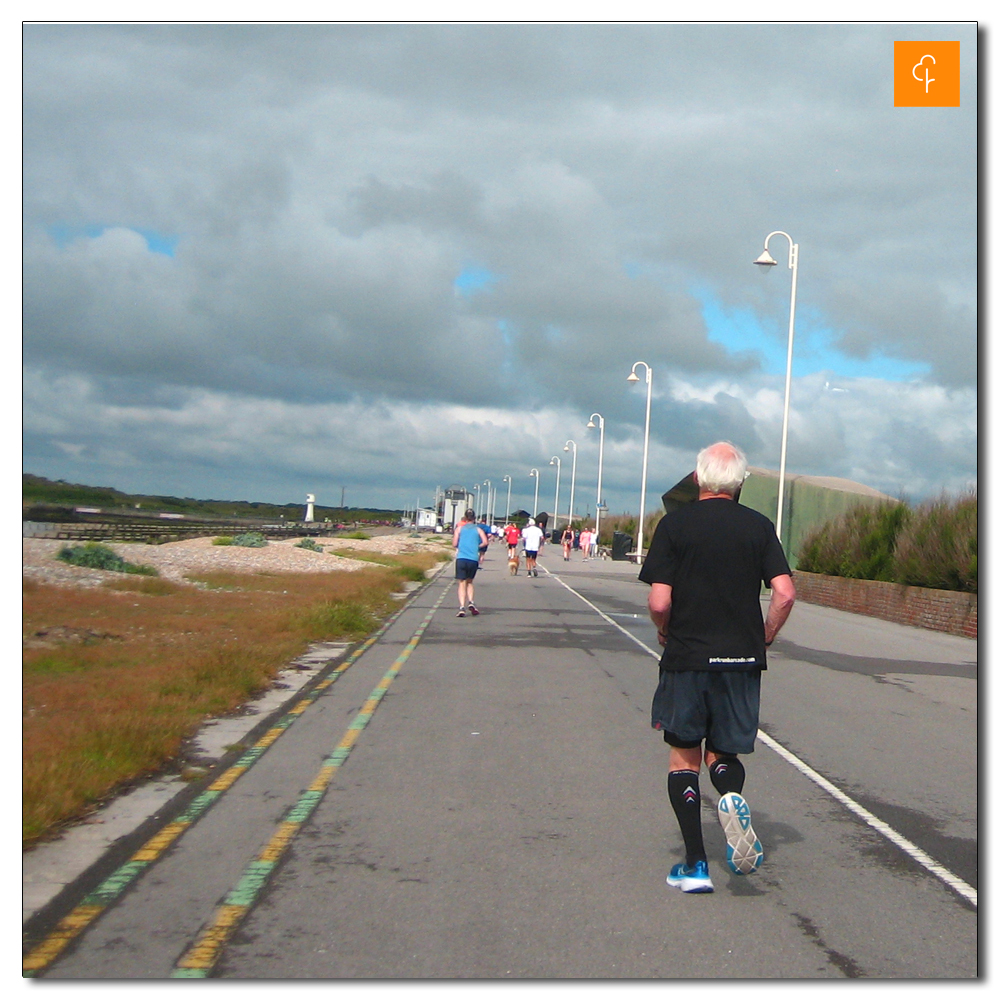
(533, 537)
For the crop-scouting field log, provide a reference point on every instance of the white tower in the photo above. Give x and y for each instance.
(310, 501)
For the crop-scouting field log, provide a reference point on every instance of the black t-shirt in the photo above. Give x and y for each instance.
(714, 554)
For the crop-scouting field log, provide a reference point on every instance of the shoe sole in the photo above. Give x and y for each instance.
(690, 884)
(744, 852)
(473, 611)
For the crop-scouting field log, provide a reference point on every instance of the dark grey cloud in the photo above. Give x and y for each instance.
(325, 185)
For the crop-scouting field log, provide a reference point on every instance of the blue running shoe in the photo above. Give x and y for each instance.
(693, 879)
(744, 853)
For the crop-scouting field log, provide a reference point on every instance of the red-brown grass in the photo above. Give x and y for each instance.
(133, 669)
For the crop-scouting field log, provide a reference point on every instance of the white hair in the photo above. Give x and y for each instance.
(721, 468)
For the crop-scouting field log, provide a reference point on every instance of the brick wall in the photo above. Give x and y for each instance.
(941, 610)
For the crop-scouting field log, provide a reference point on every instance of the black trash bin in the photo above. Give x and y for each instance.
(621, 546)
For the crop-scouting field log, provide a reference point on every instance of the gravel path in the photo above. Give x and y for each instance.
(175, 560)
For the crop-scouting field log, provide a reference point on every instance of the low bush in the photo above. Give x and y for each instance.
(308, 543)
(93, 555)
(223, 540)
(939, 547)
(358, 534)
(934, 545)
(859, 544)
(250, 540)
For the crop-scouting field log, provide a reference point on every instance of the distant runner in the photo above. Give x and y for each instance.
(467, 539)
(532, 536)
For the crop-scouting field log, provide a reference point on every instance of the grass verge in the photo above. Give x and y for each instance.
(115, 678)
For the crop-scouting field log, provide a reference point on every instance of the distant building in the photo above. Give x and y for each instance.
(809, 501)
(451, 505)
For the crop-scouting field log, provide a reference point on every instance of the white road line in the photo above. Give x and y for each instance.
(921, 857)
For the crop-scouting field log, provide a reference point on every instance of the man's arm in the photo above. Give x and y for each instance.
(661, 599)
(454, 537)
(782, 599)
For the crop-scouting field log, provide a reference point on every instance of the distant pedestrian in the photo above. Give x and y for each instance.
(705, 566)
(487, 531)
(567, 542)
(467, 539)
(585, 536)
(533, 538)
(512, 535)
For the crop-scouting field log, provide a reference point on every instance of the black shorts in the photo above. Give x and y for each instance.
(721, 707)
(465, 569)
(529, 554)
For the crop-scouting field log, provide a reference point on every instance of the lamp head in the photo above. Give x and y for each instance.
(590, 423)
(765, 260)
(632, 377)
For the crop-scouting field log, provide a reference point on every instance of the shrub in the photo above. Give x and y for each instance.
(93, 555)
(940, 546)
(223, 540)
(250, 540)
(936, 545)
(358, 534)
(308, 543)
(859, 544)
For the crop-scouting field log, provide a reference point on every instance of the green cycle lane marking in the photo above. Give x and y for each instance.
(199, 960)
(96, 902)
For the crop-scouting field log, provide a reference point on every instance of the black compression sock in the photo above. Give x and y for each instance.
(727, 775)
(685, 797)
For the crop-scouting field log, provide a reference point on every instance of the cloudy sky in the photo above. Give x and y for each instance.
(266, 260)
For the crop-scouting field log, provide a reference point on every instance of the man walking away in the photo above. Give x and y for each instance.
(467, 539)
(705, 567)
(532, 537)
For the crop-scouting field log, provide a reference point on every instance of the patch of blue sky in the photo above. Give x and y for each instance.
(473, 278)
(739, 330)
(156, 242)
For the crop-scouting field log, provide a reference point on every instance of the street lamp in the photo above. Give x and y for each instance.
(476, 488)
(600, 469)
(765, 260)
(487, 484)
(557, 462)
(506, 517)
(645, 447)
(572, 482)
(534, 473)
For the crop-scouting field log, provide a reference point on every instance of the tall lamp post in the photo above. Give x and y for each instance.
(534, 474)
(506, 517)
(600, 469)
(557, 462)
(476, 488)
(766, 261)
(572, 482)
(645, 447)
(487, 484)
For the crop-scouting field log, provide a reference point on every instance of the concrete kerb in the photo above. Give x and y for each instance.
(57, 874)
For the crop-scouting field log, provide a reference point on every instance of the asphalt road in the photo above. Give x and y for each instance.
(498, 810)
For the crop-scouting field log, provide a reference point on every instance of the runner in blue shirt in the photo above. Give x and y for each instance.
(468, 539)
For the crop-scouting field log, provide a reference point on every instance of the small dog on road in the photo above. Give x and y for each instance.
(514, 564)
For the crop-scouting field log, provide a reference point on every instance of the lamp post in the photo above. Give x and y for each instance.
(600, 469)
(487, 484)
(534, 473)
(506, 517)
(645, 447)
(557, 462)
(476, 488)
(572, 482)
(765, 260)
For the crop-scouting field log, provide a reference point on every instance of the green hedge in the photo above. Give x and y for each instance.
(933, 545)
